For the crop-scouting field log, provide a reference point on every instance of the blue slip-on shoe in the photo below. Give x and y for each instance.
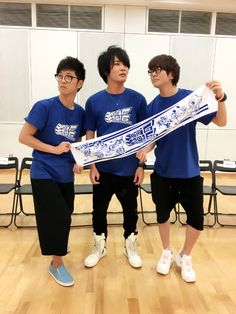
(61, 275)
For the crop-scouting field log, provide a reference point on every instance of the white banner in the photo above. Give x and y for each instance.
(129, 140)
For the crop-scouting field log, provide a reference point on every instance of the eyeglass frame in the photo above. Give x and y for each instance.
(64, 77)
(156, 70)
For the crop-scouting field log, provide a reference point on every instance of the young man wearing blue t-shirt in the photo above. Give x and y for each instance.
(109, 110)
(50, 127)
(176, 177)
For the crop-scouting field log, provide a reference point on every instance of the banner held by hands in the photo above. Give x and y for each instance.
(129, 140)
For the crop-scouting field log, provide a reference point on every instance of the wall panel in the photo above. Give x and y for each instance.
(135, 20)
(15, 74)
(47, 49)
(90, 45)
(195, 55)
(224, 70)
(141, 48)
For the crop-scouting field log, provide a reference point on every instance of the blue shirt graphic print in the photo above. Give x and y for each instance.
(106, 113)
(55, 123)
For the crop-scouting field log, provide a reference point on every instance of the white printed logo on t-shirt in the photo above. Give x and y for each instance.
(66, 130)
(119, 116)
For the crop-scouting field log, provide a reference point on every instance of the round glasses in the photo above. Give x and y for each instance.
(67, 78)
(156, 70)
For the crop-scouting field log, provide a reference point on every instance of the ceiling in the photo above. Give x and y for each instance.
(206, 5)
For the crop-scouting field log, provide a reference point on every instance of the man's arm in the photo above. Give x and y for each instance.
(221, 116)
(142, 153)
(94, 174)
(27, 137)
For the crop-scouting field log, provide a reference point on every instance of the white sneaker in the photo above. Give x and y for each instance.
(165, 261)
(98, 252)
(185, 263)
(131, 252)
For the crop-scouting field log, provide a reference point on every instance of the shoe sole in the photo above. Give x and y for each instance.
(69, 284)
(162, 273)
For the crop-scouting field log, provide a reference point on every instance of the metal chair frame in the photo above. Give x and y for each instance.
(23, 190)
(224, 166)
(146, 187)
(86, 189)
(6, 188)
(26, 189)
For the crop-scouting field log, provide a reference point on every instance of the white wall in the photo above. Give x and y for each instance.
(28, 60)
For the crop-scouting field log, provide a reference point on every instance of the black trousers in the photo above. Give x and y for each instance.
(167, 192)
(54, 204)
(126, 192)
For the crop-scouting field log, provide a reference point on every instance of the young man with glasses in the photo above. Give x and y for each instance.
(50, 127)
(176, 177)
(109, 110)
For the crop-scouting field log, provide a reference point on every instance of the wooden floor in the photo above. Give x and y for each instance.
(113, 287)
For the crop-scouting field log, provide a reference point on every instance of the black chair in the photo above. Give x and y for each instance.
(23, 189)
(87, 189)
(221, 167)
(82, 189)
(146, 187)
(206, 167)
(9, 167)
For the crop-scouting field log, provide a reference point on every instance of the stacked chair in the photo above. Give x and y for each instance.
(23, 190)
(221, 167)
(146, 187)
(19, 187)
(8, 165)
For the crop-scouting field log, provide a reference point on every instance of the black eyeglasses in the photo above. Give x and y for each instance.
(67, 78)
(156, 70)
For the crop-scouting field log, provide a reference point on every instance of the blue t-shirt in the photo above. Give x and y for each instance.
(55, 123)
(177, 153)
(106, 113)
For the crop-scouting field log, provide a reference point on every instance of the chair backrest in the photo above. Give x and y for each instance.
(223, 166)
(25, 164)
(10, 163)
(206, 165)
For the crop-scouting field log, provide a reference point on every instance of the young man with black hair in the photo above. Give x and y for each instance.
(176, 177)
(109, 110)
(50, 127)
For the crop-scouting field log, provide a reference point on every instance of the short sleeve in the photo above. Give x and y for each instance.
(90, 118)
(38, 115)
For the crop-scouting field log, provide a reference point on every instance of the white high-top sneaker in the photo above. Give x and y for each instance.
(165, 261)
(98, 252)
(185, 263)
(131, 252)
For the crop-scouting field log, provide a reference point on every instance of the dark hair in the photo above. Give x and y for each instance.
(70, 63)
(167, 63)
(106, 60)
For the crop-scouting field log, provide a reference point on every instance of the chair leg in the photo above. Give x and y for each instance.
(223, 214)
(209, 212)
(11, 214)
(154, 212)
(141, 205)
(214, 213)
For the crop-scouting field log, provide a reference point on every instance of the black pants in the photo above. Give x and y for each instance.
(126, 192)
(54, 204)
(167, 192)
